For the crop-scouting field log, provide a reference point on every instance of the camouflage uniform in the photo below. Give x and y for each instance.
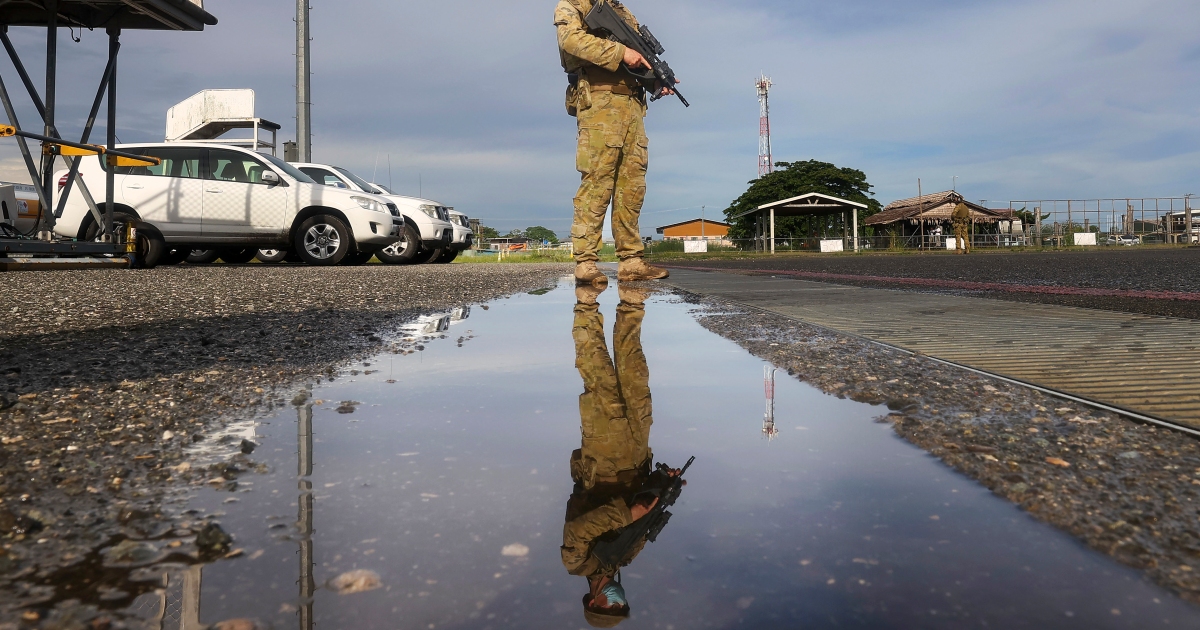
(615, 416)
(962, 228)
(612, 153)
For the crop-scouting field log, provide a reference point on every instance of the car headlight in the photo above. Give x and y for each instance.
(429, 210)
(369, 204)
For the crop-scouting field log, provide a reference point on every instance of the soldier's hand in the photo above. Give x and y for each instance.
(666, 91)
(634, 59)
(638, 510)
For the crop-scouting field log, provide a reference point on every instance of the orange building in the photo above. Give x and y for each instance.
(695, 230)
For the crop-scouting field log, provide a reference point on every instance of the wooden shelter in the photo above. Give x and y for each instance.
(919, 215)
(809, 204)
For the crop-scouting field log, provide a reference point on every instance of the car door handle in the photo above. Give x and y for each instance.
(212, 190)
(134, 187)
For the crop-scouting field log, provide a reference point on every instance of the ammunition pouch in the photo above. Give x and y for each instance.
(579, 94)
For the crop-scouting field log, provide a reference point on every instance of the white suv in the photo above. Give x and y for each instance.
(428, 232)
(234, 201)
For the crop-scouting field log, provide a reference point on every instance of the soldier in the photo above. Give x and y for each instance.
(614, 461)
(612, 150)
(962, 229)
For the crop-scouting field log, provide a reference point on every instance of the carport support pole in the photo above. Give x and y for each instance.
(854, 223)
(772, 230)
(114, 45)
(46, 224)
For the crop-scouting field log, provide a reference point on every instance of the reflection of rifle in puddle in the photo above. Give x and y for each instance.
(665, 486)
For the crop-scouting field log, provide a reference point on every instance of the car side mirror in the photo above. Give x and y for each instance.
(270, 178)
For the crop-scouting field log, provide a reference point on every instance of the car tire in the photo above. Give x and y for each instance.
(201, 256)
(447, 257)
(236, 255)
(428, 256)
(175, 256)
(269, 256)
(403, 251)
(323, 240)
(150, 247)
(357, 259)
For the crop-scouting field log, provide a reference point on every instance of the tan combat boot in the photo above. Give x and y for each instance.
(635, 269)
(588, 273)
(586, 294)
(632, 294)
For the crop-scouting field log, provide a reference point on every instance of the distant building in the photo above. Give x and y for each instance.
(712, 231)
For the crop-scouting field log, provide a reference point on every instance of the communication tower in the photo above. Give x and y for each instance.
(769, 429)
(765, 164)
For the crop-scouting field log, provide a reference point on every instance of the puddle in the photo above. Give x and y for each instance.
(429, 488)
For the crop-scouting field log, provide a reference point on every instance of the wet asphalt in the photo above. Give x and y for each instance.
(107, 375)
(1112, 268)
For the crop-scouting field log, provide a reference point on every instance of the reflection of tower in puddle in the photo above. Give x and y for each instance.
(304, 519)
(768, 428)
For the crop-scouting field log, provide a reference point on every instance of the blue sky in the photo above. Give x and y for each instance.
(1019, 99)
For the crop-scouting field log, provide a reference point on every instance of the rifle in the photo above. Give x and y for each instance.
(602, 17)
(667, 488)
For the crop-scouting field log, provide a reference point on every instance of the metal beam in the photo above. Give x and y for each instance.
(114, 46)
(87, 133)
(24, 147)
(21, 72)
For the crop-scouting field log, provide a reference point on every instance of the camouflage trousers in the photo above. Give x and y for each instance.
(614, 408)
(962, 236)
(612, 157)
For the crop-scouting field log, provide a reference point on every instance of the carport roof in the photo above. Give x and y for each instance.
(172, 15)
(811, 203)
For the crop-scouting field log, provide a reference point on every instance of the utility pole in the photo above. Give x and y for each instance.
(303, 86)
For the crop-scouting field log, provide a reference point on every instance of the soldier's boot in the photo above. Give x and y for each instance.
(632, 295)
(588, 273)
(587, 293)
(635, 269)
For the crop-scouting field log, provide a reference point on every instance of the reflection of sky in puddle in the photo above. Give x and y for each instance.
(834, 523)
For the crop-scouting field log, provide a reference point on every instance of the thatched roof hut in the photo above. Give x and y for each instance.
(934, 208)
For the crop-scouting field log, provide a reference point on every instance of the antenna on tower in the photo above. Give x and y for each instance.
(765, 164)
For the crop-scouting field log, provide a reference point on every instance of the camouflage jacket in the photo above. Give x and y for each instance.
(962, 214)
(583, 52)
(587, 523)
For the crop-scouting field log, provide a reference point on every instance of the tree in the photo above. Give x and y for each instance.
(539, 233)
(798, 178)
(514, 234)
(488, 233)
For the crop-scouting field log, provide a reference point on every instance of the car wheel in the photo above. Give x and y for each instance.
(201, 256)
(272, 255)
(150, 247)
(447, 257)
(357, 259)
(236, 255)
(175, 256)
(403, 251)
(427, 256)
(323, 240)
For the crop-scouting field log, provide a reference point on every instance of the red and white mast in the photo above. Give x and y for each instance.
(765, 164)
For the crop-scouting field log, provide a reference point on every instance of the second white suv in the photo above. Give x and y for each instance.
(427, 232)
(234, 201)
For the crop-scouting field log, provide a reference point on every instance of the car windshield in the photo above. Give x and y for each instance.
(384, 188)
(291, 171)
(358, 181)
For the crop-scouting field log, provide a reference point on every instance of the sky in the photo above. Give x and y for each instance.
(1021, 99)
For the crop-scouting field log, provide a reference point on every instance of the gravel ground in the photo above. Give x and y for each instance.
(1128, 490)
(1123, 268)
(106, 376)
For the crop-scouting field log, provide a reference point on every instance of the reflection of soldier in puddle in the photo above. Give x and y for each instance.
(614, 463)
